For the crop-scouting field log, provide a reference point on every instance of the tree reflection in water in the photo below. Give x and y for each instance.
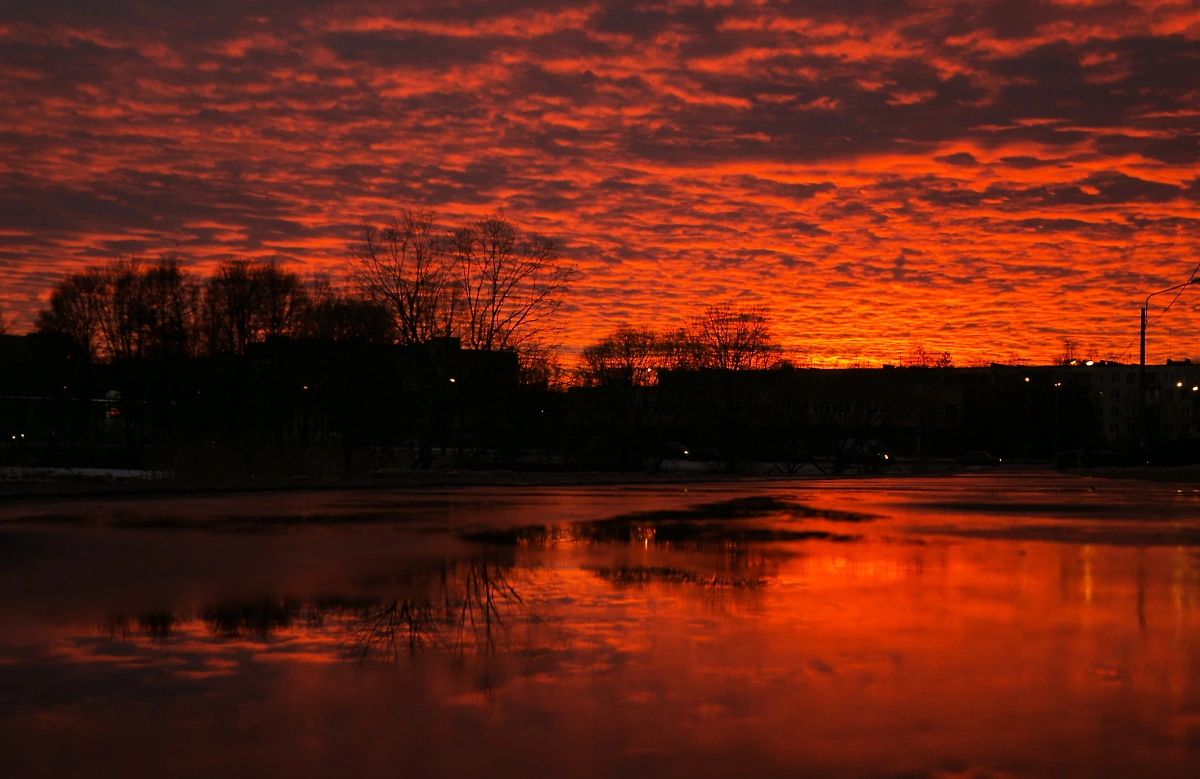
(257, 620)
(469, 607)
(382, 630)
(158, 626)
(474, 606)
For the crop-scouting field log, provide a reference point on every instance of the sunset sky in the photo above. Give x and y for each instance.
(984, 177)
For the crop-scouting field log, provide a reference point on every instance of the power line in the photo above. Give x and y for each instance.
(1160, 314)
(1177, 295)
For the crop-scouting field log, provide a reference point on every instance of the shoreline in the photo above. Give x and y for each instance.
(80, 489)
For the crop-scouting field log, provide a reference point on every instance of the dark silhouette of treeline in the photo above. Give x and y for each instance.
(436, 351)
(314, 408)
(723, 338)
(487, 283)
(624, 370)
(426, 342)
(436, 341)
(127, 310)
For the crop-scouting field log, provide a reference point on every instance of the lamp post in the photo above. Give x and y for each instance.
(1142, 360)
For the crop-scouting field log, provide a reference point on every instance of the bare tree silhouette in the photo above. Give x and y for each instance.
(920, 358)
(75, 310)
(734, 339)
(169, 310)
(510, 283)
(406, 265)
(335, 315)
(246, 302)
(121, 315)
(628, 355)
(541, 366)
(621, 366)
(283, 301)
(127, 309)
(229, 301)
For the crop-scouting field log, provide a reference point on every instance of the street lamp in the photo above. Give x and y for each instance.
(1142, 360)
(1146, 306)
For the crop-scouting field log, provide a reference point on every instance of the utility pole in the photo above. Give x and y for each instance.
(1141, 417)
(1142, 362)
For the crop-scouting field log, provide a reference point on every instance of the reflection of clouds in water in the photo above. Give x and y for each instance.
(481, 606)
(648, 665)
(193, 649)
(901, 653)
(883, 570)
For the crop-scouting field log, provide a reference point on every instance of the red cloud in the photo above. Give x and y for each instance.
(955, 175)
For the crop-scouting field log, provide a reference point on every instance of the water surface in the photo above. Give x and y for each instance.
(964, 627)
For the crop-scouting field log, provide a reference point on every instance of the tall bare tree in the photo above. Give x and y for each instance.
(678, 349)
(121, 315)
(170, 310)
(406, 265)
(282, 301)
(335, 315)
(621, 366)
(75, 310)
(733, 339)
(540, 366)
(246, 302)
(125, 309)
(229, 302)
(509, 282)
(629, 355)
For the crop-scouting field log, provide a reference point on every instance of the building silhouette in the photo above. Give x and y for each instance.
(305, 406)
